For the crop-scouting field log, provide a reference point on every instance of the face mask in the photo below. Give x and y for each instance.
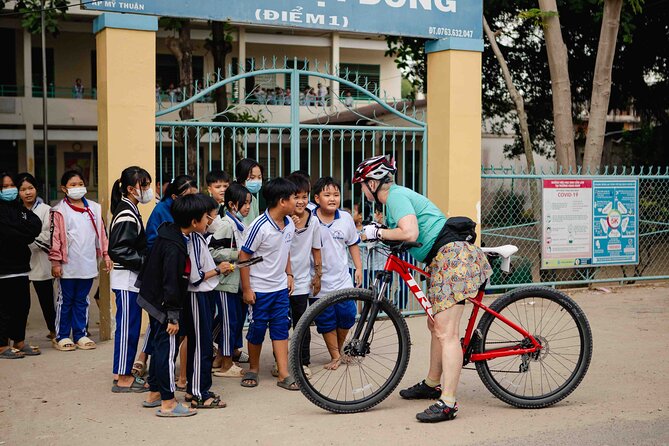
(76, 193)
(145, 196)
(9, 194)
(254, 186)
(239, 215)
(214, 225)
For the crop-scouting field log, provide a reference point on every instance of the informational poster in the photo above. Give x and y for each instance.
(567, 223)
(615, 220)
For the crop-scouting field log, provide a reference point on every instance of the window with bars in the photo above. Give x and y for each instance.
(369, 74)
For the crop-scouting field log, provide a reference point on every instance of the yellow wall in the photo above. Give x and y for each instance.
(454, 132)
(126, 127)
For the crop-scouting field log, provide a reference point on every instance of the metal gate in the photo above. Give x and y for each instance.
(322, 134)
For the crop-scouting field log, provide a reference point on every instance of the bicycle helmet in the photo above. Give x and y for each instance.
(375, 168)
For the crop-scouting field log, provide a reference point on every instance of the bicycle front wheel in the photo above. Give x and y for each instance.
(365, 373)
(547, 376)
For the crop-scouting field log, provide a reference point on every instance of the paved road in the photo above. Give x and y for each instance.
(64, 397)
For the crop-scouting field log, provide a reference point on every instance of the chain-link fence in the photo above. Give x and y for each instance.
(511, 210)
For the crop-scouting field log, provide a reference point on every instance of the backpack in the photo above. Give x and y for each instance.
(456, 229)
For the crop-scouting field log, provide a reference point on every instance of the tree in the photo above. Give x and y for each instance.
(31, 14)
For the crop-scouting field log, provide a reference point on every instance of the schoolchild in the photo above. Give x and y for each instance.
(128, 251)
(78, 242)
(266, 286)
(224, 245)
(163, 291)
(217, 183)
(250, 174)
(200, 309)
(40, 267)
(19, 228)
(178, 187)
(305, 257)
(340, 238)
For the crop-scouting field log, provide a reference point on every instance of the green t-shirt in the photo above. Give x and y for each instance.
(402, 202)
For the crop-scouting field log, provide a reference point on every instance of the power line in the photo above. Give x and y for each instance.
(37, 11)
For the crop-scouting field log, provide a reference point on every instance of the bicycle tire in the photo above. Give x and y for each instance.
(304, 326)
(581, 323)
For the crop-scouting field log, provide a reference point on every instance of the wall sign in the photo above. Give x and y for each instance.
(615, 222)
(435, 19)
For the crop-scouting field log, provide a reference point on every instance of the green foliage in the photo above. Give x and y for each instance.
(171, 23)
(507, 209)
(246, 116)
(410, 58)
(31, 14)
(536, 15)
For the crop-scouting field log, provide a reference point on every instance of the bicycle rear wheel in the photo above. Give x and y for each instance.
(364, 376)
(543, 378)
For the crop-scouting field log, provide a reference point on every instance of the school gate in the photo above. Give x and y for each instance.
(324, 138)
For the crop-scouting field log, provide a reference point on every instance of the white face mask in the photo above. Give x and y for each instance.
(145, 196)
(214, 225)
(76, 193)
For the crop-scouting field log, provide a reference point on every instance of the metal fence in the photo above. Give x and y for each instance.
(511, 216)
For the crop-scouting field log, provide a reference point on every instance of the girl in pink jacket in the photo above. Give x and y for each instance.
(78, 241)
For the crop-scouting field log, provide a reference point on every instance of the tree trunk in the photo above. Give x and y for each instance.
(560, 84)
(220, 46)
(182, 49)
(522, 117)
(601, 85)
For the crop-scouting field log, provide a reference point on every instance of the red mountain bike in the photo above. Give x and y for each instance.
(531, 348)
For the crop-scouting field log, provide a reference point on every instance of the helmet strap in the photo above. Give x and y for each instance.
(375, 193)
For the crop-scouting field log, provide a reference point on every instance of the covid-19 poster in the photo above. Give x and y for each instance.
(589, 223)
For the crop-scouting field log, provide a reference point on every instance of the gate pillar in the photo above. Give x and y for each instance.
(454, 126)
(126, 61)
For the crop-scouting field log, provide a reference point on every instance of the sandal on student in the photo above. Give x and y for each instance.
(138, 386)
(288, 383)
(178, 388)
(215, 403)
(151, 404)
(64, 345)
(12, 353)
(139, 369)
(233, 372)
(243, 358)
(179, 411)
(30, 350)
(86, 343)
(275, 370)
(250, 376)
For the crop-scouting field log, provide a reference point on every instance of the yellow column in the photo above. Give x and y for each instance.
(126, 57)
(454, 128)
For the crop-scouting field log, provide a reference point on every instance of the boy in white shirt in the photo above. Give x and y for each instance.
(305, 257)
(266, 286)
(338, 235)
(199, 312)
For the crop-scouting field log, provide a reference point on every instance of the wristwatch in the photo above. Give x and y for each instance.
(218, 271)
(173, 321)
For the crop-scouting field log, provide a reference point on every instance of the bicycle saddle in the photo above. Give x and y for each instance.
(505, 252)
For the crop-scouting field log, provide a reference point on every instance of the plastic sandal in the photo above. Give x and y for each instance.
(30, 350)
(250, 376)
(137, 386)
(12, 353)
(215, 403)
(242, 358)
(233, 372)
(86, 343)
(152, 404)
(64, 345)
(139, 369)
(179, 411)
(288, 383)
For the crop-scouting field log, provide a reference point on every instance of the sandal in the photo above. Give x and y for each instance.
(151, 404)
(12, 353)
(250, 376)
(288, 383)
(64, 345)
(30, 350)
(215, 403)
(179, 411)
(138, 386)
(139, 369)
(86, 343)
(275, 370)
(178, 388)
(233, 372)
(243, 358)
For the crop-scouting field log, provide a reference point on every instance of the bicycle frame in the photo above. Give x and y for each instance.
(396, 265)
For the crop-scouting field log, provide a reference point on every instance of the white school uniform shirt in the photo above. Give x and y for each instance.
(201, 261)
(40, 266)
(82, 244)
(125, 279)
(336, 238)
(266, 239)
(238, 228)
(301, 261)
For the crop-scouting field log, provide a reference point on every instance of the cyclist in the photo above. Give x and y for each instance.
(458, 269)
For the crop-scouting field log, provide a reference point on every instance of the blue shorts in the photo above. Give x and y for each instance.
(273, 310)
(338, 316)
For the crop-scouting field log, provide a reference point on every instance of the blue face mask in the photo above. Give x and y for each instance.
(254, 186)
(9, 194)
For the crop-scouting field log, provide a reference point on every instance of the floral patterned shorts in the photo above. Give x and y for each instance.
(457, 272)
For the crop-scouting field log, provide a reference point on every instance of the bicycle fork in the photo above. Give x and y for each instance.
(359, 344)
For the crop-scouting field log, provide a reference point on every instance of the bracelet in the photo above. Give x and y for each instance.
(289, 274)
(218, 271)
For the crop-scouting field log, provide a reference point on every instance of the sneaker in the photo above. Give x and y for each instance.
(421, 391)
(437, 412)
